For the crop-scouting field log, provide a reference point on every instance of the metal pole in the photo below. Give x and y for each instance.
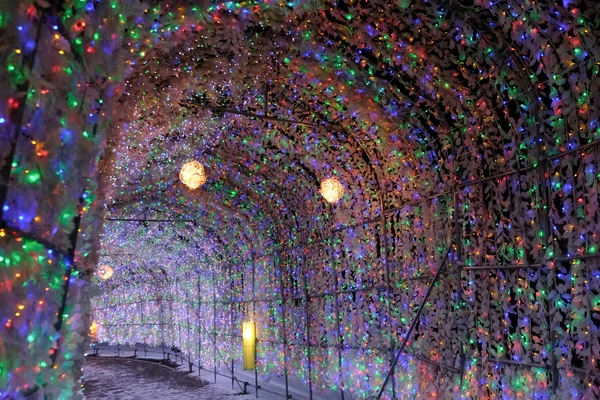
(338, 344)
(199, 332)
(67, 278)
(214, 325)
(254, 310)
(232, 323)
(225, 110)
(147, 220)
(389, 291)
(414, 321)
(589, 278)
(281, 288)
(459, 265)
(171, 318)
(177, 298)
(550, 277)
(187, 314)
(266, 112)
(306, 314)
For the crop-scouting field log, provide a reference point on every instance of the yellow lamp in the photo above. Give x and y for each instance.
(94, 330)
(249, 338)
(104, 272)
(192, 175)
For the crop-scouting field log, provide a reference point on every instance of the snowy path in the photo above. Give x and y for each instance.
(126, 379)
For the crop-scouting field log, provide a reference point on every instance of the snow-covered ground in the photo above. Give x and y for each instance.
(130, 379)
(124, 375)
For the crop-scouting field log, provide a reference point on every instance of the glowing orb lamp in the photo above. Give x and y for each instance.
(192, 175)
(331, 190)
(104, 272)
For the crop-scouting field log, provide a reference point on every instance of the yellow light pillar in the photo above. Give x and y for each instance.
(249, 338)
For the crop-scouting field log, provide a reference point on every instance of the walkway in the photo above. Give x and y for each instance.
(126, 379)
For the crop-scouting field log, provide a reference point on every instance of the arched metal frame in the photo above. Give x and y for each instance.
(453, 190)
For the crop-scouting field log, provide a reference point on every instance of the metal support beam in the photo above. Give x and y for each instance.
(252, 257)
(307, 322)
(199, 327)
(437, 364)
(500, 266)
(225, 110)
(415, 321)
(148, 220)
(214, 332)
(231, 321)
(516, 363)
(459, 268)
(67, 278)
(336, 299)
(277, 263)
(464, 184)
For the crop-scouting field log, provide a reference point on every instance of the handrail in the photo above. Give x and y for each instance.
(187, 360)
(414, 321)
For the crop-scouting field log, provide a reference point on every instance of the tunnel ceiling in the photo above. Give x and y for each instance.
(399, 100)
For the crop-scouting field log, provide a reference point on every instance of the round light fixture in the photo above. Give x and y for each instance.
(331, 190)
(94, 330)
(104, 272)
(192, 175)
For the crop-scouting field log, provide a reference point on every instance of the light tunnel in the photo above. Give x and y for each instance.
(461, 261)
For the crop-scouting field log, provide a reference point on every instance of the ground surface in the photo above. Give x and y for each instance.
(127, 379)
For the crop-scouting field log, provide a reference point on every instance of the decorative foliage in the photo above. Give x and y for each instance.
(472, 128)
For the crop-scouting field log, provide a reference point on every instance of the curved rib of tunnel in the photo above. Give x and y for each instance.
(460, 262)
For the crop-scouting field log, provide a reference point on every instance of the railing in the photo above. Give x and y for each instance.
(181, 360)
